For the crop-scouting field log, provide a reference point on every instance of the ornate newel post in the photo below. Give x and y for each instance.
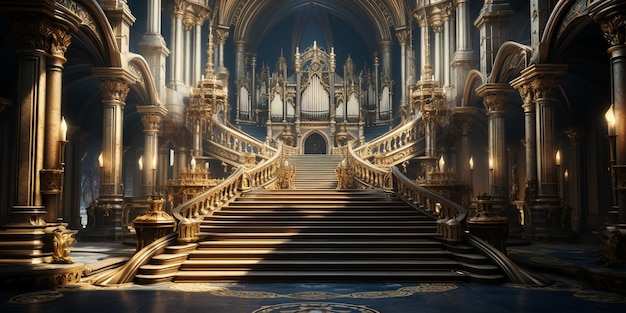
(154, 224)
(487, 224)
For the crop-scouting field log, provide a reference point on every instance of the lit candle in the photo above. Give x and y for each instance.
(154, 163)
(610, 120)
(63, 129)
(490, 164)
(471, 163)
(193, 163)
(101, 160)
(566, 176)
(140, 163)
(558, 157)
(442, 164)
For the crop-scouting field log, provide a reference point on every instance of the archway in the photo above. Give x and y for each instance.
(315, 144)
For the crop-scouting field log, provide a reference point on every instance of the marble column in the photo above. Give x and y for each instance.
(540, 82)
(222, 73)
(612, 18)
(177, 44)
(493, 24)
(154, 48)
(464, 117)
(385, 53)
(495, 98)
(464, 57)
(54, 140)
(114, 87)
(403, 36)
(188, 26)
(151, 117)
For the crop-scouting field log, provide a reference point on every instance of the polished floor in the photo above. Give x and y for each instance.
(567, 294)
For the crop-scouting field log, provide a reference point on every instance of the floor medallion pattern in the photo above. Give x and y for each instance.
(305, 307)
(312, 295)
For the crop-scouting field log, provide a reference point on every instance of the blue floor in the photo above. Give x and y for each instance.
(565, 295)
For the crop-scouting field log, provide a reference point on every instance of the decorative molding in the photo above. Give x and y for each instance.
(85, 18)
(545, 86)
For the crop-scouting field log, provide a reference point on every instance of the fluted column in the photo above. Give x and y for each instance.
(464, 57)
(540, 82)
(154, 48)
(493, 25)
(31, 101)
(177, 44)
(612, 18)
(528, 105)
(59, 40)
(114, 87)
(495, 98)
(151, 117)
(403, 37)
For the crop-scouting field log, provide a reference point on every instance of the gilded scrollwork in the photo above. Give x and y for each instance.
(614, 29)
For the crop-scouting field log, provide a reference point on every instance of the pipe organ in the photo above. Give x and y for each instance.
(314, 98)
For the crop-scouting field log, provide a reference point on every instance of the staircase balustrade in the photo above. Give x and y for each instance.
(451, 216)
(396, 146)
(231, 145)
(191, 213)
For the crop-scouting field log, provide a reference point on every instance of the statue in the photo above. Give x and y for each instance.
(62, 240)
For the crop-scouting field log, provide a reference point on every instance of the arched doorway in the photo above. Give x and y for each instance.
(315, 144)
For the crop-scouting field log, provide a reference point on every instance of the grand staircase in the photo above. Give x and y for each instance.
(321, 234)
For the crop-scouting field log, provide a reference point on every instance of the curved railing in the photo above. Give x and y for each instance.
(234, 146)
(394, 147)
(191, 213)
(451, 216)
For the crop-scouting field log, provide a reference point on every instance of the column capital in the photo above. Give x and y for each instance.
(464, 117)
(37, 34)
(221, 35)
(611, 15)
(539, 80)
(151, 116)
(115, 82)
(495, 96)
(403, 36)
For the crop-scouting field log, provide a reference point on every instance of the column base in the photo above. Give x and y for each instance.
(549, 220)
(105, 221)
(613, 245)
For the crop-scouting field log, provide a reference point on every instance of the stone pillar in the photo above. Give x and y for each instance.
(221, 70)
(188, 26)
(495, 98)
(333, 68)
(464, 117)
(151, 117)
(464, 57)
(114, 87)
(177, 56)
(493, 24)
(540, 83)
(612, 19)
(154, 48)
(403, 37)
(52, 174)
(437, 26)
(385, 53)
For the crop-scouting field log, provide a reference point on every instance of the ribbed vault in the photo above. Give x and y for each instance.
(251, 20)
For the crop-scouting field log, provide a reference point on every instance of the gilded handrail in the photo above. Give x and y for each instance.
(234, 145)
(395, 146)
(451, 216)
(191, 213)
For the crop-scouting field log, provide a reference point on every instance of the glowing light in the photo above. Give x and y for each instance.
(63, 129)
(140, 163)
(558, 157)
(471, 163)
(101, 160)
(442, 164)
(490, 164)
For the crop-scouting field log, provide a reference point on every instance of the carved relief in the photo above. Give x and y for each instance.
(544, 87)
(495, 102)
(85, 18)
(151, 121)
(221, 35)
(614, 29)
(114, 90)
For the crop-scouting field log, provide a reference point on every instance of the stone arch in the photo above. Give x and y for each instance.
(315, 143)
(145, 87)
